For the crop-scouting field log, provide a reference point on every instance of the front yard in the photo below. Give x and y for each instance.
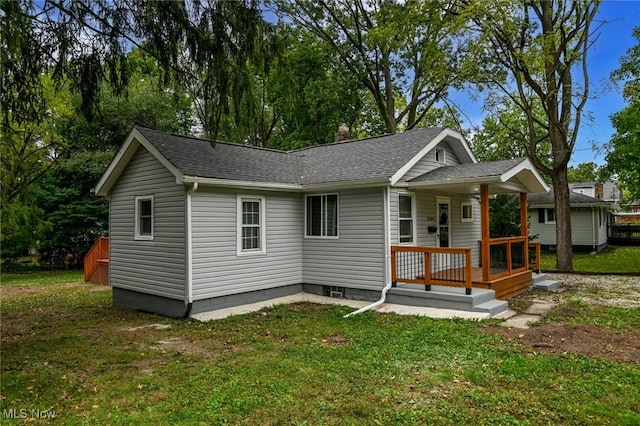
(615, 259)
(67, 353)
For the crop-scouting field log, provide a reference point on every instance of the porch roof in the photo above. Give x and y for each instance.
(506, 176)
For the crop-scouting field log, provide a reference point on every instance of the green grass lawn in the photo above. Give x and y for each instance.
(614, 260)
(66, 349)
(40, 278)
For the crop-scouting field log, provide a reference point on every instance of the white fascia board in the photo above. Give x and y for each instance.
(346, 185)
(450, 182)
(122, 158)
(446, 133)
(238, 183)
(535, 182)
(269, 186)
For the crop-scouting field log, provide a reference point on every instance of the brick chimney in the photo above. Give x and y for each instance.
(343, 133)
(599, 191)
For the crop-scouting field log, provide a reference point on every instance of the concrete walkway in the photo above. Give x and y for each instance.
(355, 304)
(527, 317)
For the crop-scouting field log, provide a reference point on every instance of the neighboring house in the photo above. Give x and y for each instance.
(589, 219)
(606, 191)
(195, 227)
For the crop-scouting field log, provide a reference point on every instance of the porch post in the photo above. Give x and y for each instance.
(524, 226)
(486, 234)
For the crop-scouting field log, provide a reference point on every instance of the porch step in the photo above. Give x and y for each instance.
(480, 300)
(542, 282)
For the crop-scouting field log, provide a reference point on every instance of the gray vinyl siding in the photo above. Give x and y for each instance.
(428, 162)
(544, 233)
(356, 258)
(462, 234)
(586, 229)
(583, 221)
(218, 270)
(158, 266)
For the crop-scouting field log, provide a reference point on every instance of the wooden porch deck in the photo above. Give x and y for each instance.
(505, 287)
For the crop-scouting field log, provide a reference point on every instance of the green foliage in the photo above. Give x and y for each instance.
(406, 56)
(505, 133)
(504, 211)
(77, 217)
(204, 46)
(584, 172)
(623, 157)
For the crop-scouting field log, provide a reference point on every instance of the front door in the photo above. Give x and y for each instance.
(443, 235)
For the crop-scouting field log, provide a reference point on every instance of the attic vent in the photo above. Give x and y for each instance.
(336, 292)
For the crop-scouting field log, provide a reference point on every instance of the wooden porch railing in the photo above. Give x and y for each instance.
(534, 256)
(507, 256)
(96, 262)
(446, 266)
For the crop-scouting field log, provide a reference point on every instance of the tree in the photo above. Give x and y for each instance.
(405, 55)
(202, 45)
(300, 100)
(28, 150)
(75, 215)
(504, 134)
(583, 172)
(623, 157)
(538, 49)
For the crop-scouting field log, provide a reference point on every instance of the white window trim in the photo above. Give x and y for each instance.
(466, 219)
(137, 235)
(263, 225)
(546, 217)
(442, 153)
(414, 226)
(306, 217)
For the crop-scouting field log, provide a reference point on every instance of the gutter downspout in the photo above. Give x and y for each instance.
(387, 257)
(189, 253)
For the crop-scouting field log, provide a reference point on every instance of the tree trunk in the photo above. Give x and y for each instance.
(390, 111)
(564, 247)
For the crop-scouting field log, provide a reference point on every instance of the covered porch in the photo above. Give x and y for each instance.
(503, 265)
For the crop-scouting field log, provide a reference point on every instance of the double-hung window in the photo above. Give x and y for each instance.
(251, 225)
(144, 225)
(322, 215)
(405, 218)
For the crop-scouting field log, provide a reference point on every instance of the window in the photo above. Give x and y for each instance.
(546, 216)
(551, 216)
(322, 215)
(440, 155)
(466, 212)
(251, 228)
(144, 217)
(405, 218)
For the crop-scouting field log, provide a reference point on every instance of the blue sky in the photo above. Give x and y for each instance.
(618, 19)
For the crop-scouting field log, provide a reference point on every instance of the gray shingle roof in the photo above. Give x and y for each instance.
(467, 171)
(196, 157)
(575, 199)
(355, 160)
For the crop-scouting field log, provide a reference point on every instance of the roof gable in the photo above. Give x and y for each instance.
(514, 175)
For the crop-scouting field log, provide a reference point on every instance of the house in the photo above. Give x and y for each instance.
(195, 227)
(589, 219)
(607, 191)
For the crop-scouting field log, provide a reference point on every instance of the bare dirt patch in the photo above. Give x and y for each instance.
(589, 340)
(583, 339)
(19, 291)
